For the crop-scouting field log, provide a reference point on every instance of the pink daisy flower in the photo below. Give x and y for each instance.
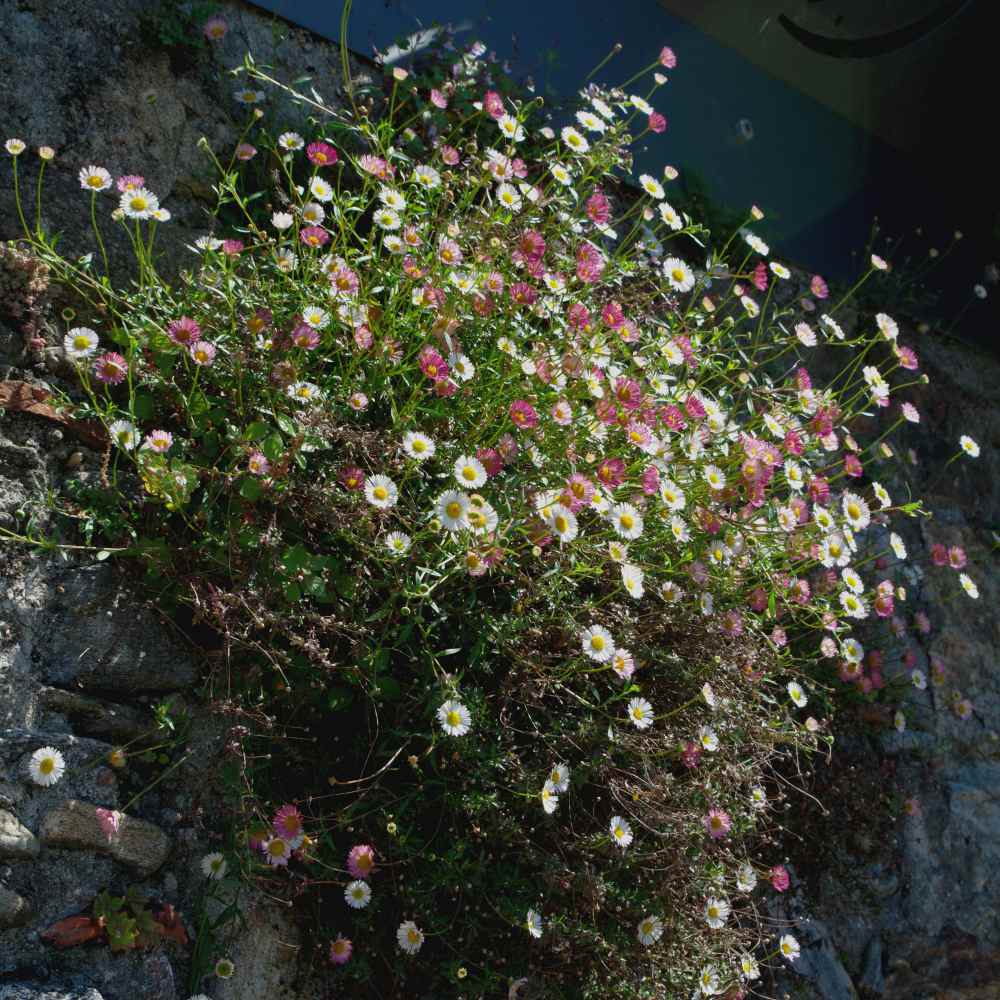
(780, 878)
(657, 123)
(717, 823)
(305, 337)
(130, 182)
(352, 478)
(438, 99)
(215, 29)
(449, 154)
(109, 820)
(361, 861)
(956, 557)
(523, 414)
(202, 352)
(314, 236)
(232, 247)
(244, 152)
(110, 368)
(184, 331)
(258, 465)
(818, 287)
(341, 950)
(159, 441)
(288, 825)
(322, 154)
(668, 60)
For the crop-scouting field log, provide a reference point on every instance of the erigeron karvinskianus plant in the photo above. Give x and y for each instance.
(534, 548)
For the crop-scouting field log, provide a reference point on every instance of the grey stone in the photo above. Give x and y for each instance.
(94, 716)
(872, 981)
(25, 991)
(94, 636)
(819, 963)
(138, 844)
(14, 910)
(16, 840)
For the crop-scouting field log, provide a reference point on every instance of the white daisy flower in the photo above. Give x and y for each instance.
(749, 967)
(469, 471)
(968, 446)
(418, 446)
(291, 141)
(94, 178)
(508, 196)
(409, 937)
(632, 580)
(651, 186)
(649, 930)
(707, 739)
(451, 509)
(138, 204)
(304, 392)
(550, 797)
(574, 140)
(321, 189)
(669, 215)
(789, 947)
(313, 213)
(381, 492)
(626, 520)
(559, 776)
(897, 545)
(455, 718)
(46, 766)
(746, 878)
(398, 543)
(708, 981)
(315, 317)
(563, 522)
(856, 511)
(561, 174)
(590, 121)
(640, 713)
(125, 435)
(714, 476)
(716, 912)
(386, 218)
(797, 694)
(81, 342)
(679, 276)
(214, 866)
(533, 923)
(597, 643)
(427, 177)
(968, 585)
(621, 832)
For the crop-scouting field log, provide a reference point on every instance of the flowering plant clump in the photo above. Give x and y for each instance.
(534, 548)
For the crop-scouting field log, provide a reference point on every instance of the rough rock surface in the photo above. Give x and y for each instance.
(82, 661)
(109, 93)
(138, 845)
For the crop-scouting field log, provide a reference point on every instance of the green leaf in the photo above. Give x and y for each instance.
(250, 489)
(143, 407)
(273, 447)
(338, 698)
(258, 430)
(388, 688)
(286, 424)
(292, 592)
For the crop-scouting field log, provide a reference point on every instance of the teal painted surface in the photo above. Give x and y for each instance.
(820, 180)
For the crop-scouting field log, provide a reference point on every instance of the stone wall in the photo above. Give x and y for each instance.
(83, 662)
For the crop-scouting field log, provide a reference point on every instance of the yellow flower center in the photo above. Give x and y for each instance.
(454, 509)
(677, 274)
(138, 204)
(853, 510)
(413, 936)
(419, 446)
(627, 521)
(81, 342)
(597, 642)
(380, 492)
(47, 766)
(619, 832)
(469, 473)
(454, 718)
(94, 181)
